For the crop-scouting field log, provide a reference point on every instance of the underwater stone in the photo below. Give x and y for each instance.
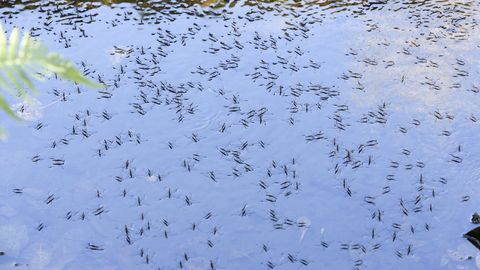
(473, 237)
(476, 218)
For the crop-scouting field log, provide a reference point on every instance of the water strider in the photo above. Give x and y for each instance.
(247, 135)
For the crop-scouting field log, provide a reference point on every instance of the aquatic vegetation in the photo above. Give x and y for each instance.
(23, 58)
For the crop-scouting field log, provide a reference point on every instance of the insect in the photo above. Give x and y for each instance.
(58, 162)
(456, 159)
(243, 212)
(99, 211)
(212, 176)
(195, 137)
(188, 201)
(49, 199)
(304, 262)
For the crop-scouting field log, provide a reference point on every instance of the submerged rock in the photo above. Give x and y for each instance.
(476, 218)
(473, 237)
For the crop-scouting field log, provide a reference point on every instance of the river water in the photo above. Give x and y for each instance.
(247, 135)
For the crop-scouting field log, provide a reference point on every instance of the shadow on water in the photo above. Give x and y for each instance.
(422, 13)
(161, 5)
(267, 5)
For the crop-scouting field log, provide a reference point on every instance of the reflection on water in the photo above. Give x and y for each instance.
(248, 135)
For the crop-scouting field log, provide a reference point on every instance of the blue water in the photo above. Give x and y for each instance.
(247, 135)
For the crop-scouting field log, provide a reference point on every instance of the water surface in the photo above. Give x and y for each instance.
(247, 135)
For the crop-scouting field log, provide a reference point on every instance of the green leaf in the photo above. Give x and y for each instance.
(3, 45)
(4, 106)
(13, 45)
(5, 86)
(3, 133)
(74, 75)
(13, 79)
(27, 59)
(24, 77)
(24, 46)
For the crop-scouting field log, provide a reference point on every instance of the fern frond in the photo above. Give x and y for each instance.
(25, 58)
